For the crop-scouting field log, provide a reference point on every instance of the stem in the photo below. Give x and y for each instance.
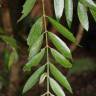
(46, 33)
(44, 16)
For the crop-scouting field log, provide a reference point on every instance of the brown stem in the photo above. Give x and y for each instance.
(79, 36)
(37, 10)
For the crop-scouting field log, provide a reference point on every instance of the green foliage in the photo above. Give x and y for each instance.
(10, 58)
(69, 11)
(36, 47)
(6, 55)
(62, 30)
(56, 88)
(13, 58)
(9, 40)
(27, 7)
(35, 60)
(33, 79)
(35, 32)
(59, 7)
(82, 12)
(60, 77)
(60, 58)
(83, 17)
(89, 3)
(93, 12)
(60, 45)
(61, 54)
(83, 65)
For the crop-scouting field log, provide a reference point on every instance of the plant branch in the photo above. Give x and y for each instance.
(45, 29)
(79, 36)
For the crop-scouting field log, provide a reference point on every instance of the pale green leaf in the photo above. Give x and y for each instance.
(62, 30)
(59, 7)
(93, 12)
(60, 58)
(34, 61)
(6, 56)
(60, 45)
(36, 47)
(69, 11)
(33, 79)
(56, 88)
(83, 16)
(13, 58)
(89, 3)
(27, 7)
(35, 32)
(60, 77)
(9, 40)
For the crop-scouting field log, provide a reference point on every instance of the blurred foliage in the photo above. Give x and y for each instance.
(83, 65)
(9, 57)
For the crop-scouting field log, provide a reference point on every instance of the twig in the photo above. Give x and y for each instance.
(79, 36)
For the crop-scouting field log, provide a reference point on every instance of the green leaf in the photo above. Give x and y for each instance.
(60, 45)
(56, 88)
(13, 58)
(9, 40)
(69, 11)
(89, 3)
(36, 47)
(93, 12)
(35, 60)
(35, 32)
(83, 17)
(27, 7)
(60, 58)
(60, 77)
(6, 55)
(33, 79)
(59, 7)
(62, 30)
